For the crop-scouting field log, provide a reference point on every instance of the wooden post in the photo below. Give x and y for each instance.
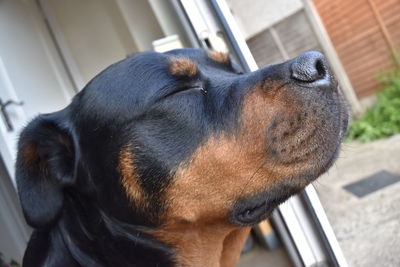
(332, 56)
(384, 30)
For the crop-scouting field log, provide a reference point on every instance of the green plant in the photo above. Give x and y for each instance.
(383, 119)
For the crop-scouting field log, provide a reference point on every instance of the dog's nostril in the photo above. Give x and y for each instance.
(309, 67)
(319, 66)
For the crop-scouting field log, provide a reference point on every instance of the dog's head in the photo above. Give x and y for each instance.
(184, 138)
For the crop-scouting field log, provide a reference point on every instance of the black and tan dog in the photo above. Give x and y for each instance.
(168, 159)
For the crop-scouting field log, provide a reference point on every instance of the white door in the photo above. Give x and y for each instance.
(31, 72)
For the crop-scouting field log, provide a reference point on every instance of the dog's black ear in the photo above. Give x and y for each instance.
(45, 166)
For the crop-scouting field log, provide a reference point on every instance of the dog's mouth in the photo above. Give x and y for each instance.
(252, 210)
(254, 214)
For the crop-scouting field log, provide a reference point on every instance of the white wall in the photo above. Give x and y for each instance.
(141, 21)
(257, 15)
(95, 32)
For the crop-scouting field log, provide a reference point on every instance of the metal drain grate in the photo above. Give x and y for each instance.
(372, 183)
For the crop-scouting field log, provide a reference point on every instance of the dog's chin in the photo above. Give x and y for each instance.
(253, 209)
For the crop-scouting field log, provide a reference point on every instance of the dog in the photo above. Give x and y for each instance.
(168, 159)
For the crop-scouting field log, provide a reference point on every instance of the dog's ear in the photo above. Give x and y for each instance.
(45, 166)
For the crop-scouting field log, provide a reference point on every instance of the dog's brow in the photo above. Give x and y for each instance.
(182, 67)
(218, 56)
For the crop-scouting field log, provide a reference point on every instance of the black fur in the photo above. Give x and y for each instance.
(72, 193)
(67, 166)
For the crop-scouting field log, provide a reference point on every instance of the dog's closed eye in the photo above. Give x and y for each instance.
(186, 89)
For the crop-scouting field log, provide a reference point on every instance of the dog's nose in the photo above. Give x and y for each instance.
(310, 67)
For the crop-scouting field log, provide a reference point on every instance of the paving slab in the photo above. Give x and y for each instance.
(367, 224)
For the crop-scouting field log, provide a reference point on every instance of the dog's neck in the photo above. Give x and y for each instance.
(207, 245)
(233, 244)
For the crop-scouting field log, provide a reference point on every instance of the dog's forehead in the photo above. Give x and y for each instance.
(135, 86)
(152, 68)
(200, 58)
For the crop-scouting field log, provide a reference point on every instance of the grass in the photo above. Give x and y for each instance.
(383, 119)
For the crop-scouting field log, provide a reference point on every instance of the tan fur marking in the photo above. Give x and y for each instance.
(182, 67)
(213, 244)
(129, 178)
(197, 244)
(233, 245)
(29, 154)
(218, 56)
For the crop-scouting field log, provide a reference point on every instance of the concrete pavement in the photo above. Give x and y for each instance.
(368, 228)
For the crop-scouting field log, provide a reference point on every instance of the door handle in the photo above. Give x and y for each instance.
(4, 114)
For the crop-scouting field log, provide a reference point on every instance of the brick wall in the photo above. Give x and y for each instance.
(359, 38)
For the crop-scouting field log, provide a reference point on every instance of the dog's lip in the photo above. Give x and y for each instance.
(342, 134)
(253, 209)
(253, 214)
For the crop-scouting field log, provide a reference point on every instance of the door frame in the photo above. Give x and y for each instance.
(11, 214)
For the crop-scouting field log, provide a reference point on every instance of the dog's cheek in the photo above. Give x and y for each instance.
(130, 179)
